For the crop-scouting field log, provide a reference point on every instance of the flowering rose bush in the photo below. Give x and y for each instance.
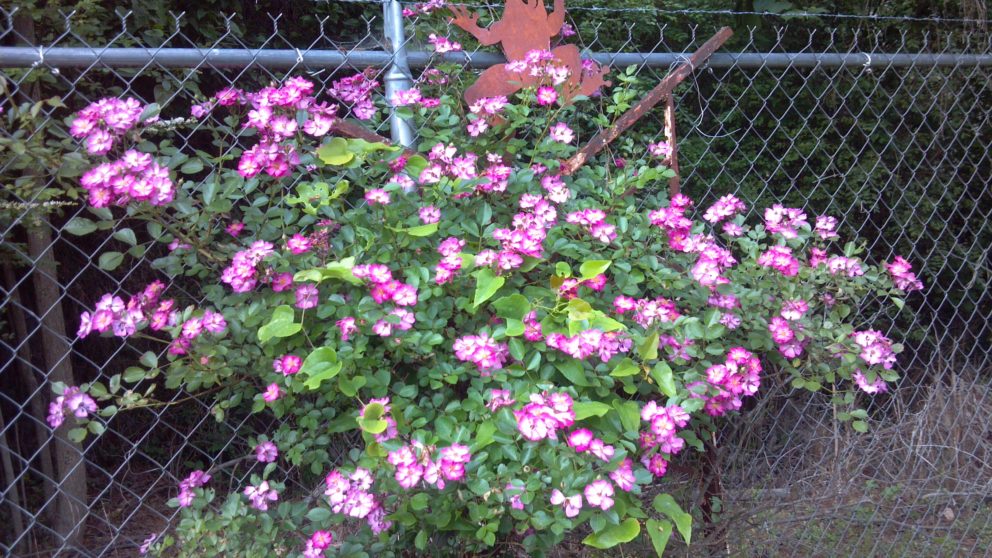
(503, 353)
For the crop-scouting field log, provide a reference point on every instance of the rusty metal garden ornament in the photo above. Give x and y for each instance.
(526, 26)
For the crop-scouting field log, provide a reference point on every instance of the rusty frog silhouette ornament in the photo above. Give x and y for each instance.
(524, 27)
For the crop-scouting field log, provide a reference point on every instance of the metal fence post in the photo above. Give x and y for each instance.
(398, 75)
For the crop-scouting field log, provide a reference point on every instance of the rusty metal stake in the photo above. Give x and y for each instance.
(655, 96)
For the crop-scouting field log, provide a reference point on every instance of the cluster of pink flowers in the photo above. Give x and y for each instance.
(557, 191)
(542, 64)
(111, 314)
(261, 495)
(357, 91)
(318, 542)
(842, 265)
(713, 260)
(347, 327)
(871, 388)
(545, 415)
(661, 149)
(483, 111)
(673, 221)
(594, 222)
(665, 422)
(72, 400)
(739, 376)
(443, 44)
(526, 238)
(196, 479)
(307, 296)
(242, 273)
(826, 227)
(583, 440)
(724, 208)
(105, 121)
(599, 494)
(482, 351)
(414, 464)
(266, 452)
(272, 393)
(423, 8)
(875, 348)
(445, 162)
(784, 335)
(784, 221)
(135, 176)
(383, 287)
(902, 275)
(349, 494)
(780, 259)
(451, 260)
(413, 96)
(647, 311)
(590, 342)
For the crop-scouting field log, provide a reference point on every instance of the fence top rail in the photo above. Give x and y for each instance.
(127, 57)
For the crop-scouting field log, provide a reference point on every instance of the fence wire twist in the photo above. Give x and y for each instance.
(883, 122)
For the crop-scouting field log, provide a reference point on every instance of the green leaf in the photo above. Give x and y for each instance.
(562, 269)
(149, 359)
(319, 515)
(648, 349)
(420, 541)
(659, 532)
(586, 409)
(664, 503)
(626, 367)
(613, 535)
(515, 306)
(592, 268)
(372, 421)
(860, 426)
(335, 152)
(150, 110)
(126, 235)
(486, 285)
(281, 324)
(579, 310)
(192, 166)
(134, 374)
(630, 415)
(77, 434)
(422, 230)
(322, 364)
(662, 374)
(109, 261)
(574, 371)
(350, 386)
(484, 435)
(79, 226)
(420, 501)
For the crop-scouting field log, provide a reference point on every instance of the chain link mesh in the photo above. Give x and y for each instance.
(897, 147)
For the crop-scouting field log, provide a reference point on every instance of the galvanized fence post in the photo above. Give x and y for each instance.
(398, 76)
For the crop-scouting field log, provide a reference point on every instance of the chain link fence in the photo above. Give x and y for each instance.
(884, 122)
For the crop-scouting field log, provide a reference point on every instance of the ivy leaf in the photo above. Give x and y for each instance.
(109, 261)
(372, 421)
(662, 374)
(322, 364)
(484, 435)
(335, 152)
(79, 226)
(659, 532)
(422, 230)
(592, 268)
(626, 367)
(586, 409)
(613, 535)
(280, 325)
(630, 414)
(486, 285)
(648, 349)
(664, 503)
(515, 306)
(574, 371)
